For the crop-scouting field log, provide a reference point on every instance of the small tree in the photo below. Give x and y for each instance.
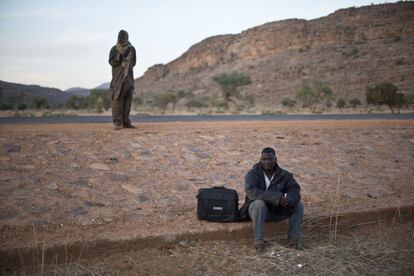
(14, 101)
(99, 105)
(340, 103)
(39, 102)
(229, 85)
(162, 100)
(385, 93)
(355, 102)
(306, 96)
(288, 102)
(72, 103)
(91, 100)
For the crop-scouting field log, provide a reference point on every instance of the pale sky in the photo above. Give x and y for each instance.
(63, 44)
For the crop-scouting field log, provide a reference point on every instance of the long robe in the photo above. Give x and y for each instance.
(122, 73)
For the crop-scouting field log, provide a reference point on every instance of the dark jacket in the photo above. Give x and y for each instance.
(122, 82)
(255, 188)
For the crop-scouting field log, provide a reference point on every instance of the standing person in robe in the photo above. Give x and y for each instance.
(122, 59)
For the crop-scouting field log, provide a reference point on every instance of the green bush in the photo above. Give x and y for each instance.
(91, 100)
(13, 101)
(409, 99)
(385, 93)
(74, 102)
(99, 105)
(315, 93)
(39, 102)
(306, 96)
(340, 103)
(197, 103)
(355, 102)
(288, 102)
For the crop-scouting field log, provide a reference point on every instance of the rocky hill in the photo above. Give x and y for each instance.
(347, 50)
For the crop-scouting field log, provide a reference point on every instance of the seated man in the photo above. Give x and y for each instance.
(272, 194)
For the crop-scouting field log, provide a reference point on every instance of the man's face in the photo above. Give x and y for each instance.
(268, 161)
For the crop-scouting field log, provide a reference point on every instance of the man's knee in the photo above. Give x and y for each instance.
(300, 208)
(257, 205)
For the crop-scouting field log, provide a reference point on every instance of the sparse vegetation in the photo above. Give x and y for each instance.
(99, 105)
(249, 101)
(13, 102)
(340, 103)
(288, 102)
(409, 99)
(399, 62)
(89, 102)
(315, 95)
(197, 102)
(385, 94)
(162, 100)
(355, 102)
(39, 102)
(137, 101)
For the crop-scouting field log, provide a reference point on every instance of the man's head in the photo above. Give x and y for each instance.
(268, 159)
(122, 37)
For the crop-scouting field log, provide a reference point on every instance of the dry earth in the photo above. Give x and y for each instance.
(64, 185)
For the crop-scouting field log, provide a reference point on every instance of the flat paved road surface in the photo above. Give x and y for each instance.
(200, 118)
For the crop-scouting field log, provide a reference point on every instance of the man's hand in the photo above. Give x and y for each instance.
(284, 201)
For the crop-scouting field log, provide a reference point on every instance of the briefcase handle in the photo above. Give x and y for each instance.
(218, 187)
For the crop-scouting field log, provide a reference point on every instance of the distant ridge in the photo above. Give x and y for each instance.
(54, 96)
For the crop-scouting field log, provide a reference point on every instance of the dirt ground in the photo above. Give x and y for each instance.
(62, 184)
(380, 249)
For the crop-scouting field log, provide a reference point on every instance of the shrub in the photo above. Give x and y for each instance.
(288, 102)
(13, 101)
(355, 102)
(399, 61)
(91, 100)
(197, 102)
(39, 102)
(249, 101)
(409, 99)
(316, 93)
(99, 105)
(306, 96)
(73, 102)
(385, 93)
(340, 103)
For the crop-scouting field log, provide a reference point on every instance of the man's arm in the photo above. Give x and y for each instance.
(293, 191)
(253, 191)
(115, 58)
(132, 58)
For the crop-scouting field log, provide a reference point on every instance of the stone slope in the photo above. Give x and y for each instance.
(347, 50)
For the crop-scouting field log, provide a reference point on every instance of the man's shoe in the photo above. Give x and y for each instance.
(260, 246)
(117, 126)
(295, 245)
(129, 125)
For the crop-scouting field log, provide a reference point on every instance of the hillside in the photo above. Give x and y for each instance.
(347, 50)
(55, 97)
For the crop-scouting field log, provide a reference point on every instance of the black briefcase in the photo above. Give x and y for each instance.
(218, 204)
